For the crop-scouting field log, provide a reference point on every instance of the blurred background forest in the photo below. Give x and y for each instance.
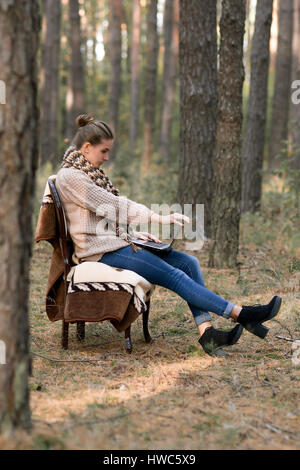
(129, 62)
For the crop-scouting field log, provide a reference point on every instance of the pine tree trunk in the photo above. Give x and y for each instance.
(128, 22)
(49, 80)
(150, 92)
(115, 57)
(19, 31)
(247, 52)
(295, 108)
(89, 31)
(274, 35)
(281, 97)
(75, 93)
(227, 185)
(198, 103)
(135, 52)
(171, 45)
(94, 25)
(254, 139)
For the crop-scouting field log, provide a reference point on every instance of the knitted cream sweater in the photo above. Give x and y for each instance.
(84, 202)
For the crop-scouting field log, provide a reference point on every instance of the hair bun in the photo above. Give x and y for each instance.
(84, 119)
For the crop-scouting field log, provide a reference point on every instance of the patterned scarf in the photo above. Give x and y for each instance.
(73, 158)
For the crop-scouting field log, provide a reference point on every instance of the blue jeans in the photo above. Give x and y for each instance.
(177, 271)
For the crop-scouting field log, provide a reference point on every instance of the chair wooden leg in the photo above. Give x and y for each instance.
(80, 330)
(147, 336)
(65, 335)
(128, 344)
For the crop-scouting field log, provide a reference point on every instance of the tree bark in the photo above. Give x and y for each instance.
(274, 35)
(295, 108)
(115, 57)
(227, 184)
(254, 138)
(171, 45)
(281, 97)
(128, 22)
(19, 31)
(150, 92)
(198, 103)
(49, 80)
(75, 93)
(135, 52)
(247, 52)
(89, 31)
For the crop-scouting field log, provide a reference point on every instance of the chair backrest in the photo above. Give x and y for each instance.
(65, 240)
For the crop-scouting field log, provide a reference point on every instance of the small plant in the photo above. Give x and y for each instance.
(294, 265)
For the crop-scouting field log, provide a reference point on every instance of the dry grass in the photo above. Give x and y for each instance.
(169, 394)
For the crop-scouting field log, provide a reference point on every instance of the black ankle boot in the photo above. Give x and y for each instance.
(213, 339)
(252, 317)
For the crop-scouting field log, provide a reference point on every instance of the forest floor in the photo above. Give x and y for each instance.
(169, 394)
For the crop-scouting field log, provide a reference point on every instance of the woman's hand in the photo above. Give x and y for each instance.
(174, 219)
(147, 236)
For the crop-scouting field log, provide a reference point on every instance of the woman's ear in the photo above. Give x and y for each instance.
(85, 148)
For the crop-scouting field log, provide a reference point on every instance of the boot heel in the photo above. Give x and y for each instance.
(259, 330)
(275, 309)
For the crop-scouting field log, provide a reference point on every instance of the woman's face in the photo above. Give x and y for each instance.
(97, 154)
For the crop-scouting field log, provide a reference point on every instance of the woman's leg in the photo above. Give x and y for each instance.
(157, 271)
(191, 266)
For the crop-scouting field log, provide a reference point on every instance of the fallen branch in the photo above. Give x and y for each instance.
(279, 430)
(64, 360)
(41, 347)
(285, 339)
(283, 326)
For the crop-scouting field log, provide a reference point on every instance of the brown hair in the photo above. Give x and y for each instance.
(90, 130)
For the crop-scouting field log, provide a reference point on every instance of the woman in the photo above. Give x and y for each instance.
(94, 208)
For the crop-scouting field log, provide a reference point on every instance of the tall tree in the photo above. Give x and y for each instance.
(90, 23)
(254, 138)
(49, 80)
(115, 57)
(281, 97)
(198, 103)
(274, 35)
(63, 75)
(135, 71)
(227, 184)
(295, 107)
(247, 52)
(75, 93)
(128, 26)
(171, 45)
(150, 89)
(19, 30)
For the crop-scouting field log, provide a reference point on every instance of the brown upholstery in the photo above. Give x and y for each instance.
(66, 246)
